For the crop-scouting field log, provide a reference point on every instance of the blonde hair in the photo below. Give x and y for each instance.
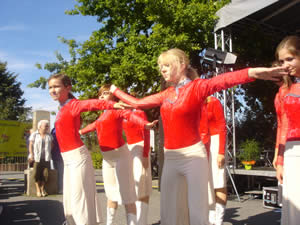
(106, 87)
(177, 56)
(103, 88)
(290, 43)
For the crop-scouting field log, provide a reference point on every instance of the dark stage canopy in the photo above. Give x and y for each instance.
(276, 17)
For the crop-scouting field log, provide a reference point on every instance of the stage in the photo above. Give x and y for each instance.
(255, 171)
(256, 179)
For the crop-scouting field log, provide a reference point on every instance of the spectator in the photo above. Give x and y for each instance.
(40, 153)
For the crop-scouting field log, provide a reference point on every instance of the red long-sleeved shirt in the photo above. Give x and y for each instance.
(282, 123)
(67, 123)
(203, 128)
(135, 133)
(109, 128)
(291, 107)
(180, 106)
(216, 121)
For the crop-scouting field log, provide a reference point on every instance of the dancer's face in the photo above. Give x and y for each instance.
(171, 72)
(106, 95)
(290, 61)
(58, 91)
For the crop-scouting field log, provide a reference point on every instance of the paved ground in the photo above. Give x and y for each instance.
(19, 209)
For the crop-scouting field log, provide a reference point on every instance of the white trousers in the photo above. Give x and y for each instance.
(142, 176)
(118, 178)
(185, 177)
(218, 174)
(291, 184)
(81, 203)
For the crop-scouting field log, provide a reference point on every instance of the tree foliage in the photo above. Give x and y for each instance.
(11, 101)
(130, 37)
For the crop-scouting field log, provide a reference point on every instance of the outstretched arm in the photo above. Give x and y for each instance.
(144, 103)
(206, 87)
(89, 128)
(265, 73)
(142, 122)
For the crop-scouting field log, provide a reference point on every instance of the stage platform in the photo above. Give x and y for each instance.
(255, 171)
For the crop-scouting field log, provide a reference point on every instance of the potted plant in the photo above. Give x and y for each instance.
(249, 153)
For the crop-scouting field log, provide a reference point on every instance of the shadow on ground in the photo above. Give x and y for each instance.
(11, 188)
(27, 212)
(32, 212)
(267, 218)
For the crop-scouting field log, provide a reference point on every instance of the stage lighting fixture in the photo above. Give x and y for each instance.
(214, 56)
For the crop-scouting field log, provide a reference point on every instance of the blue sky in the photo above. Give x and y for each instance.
(29, 31)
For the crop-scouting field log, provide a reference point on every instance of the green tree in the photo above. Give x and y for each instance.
(132, 34)
(130, 37)
(11, 101)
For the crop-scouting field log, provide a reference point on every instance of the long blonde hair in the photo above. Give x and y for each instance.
(178, 56)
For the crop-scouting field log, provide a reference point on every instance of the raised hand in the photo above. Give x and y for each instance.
(112, 88)
(265, 73)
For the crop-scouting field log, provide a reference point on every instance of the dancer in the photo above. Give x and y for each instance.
(81, 204)
(284, 85)
(117, 164)
(185, 154)
(217, 132)
(288, 160)
(139, 145)
(40, 152)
